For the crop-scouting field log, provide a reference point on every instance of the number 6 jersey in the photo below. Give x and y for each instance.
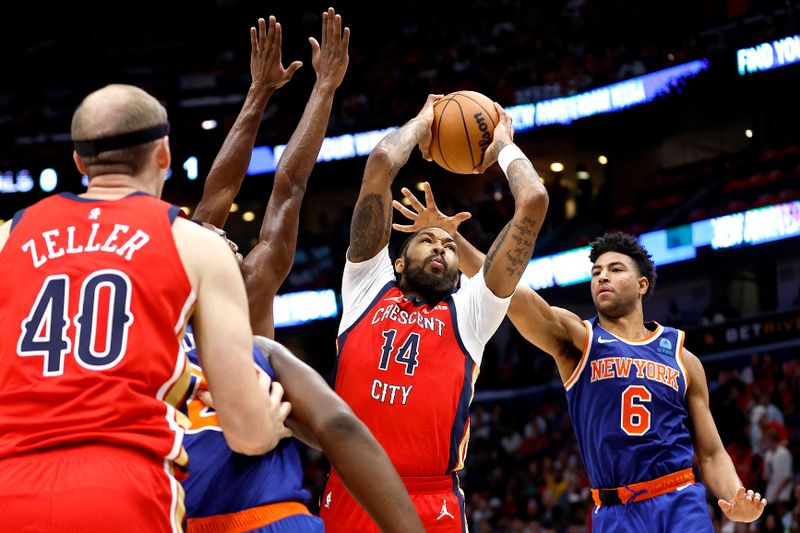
(629, 396)
(407, 368)
(95, 299)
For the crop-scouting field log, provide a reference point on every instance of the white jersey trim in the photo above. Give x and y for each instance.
(587, 349)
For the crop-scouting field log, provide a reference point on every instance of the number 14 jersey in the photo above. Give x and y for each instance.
(407, 368)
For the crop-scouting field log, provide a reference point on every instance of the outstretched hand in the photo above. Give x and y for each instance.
(745, 506)
(330, 59)
(266, 67)
(427, 216)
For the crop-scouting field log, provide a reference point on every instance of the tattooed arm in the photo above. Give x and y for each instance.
(372, 217)
(512, 249)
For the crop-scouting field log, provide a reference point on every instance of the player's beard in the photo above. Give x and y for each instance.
(432, 287)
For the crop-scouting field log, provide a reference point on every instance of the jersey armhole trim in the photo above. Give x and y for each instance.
(343, 335)
(679, 359)
(15, 220)
(587, 346)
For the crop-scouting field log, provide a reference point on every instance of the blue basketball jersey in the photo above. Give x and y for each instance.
(627, 404)
(221, 481)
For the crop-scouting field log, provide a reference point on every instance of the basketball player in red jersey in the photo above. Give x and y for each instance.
(266, 493)
(632, 388)
(410, 348)
(90, 360)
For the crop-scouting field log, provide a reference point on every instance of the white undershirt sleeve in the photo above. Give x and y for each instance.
(361, 283)
(479, 314)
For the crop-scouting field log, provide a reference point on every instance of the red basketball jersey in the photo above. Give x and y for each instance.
(95, 302)
(404, 371)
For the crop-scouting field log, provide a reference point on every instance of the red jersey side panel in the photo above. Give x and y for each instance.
(96, 299)
(405, 373)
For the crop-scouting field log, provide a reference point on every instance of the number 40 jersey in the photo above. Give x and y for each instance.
(95, 299)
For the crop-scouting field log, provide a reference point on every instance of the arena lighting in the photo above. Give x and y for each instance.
(208, 124)
(603, 160)
(607, 99)
(556, 166)
(297, 308)
(748, 134)
(753, 227)
(234, 207)
(248, 216)
(748, 228)
(768, 55)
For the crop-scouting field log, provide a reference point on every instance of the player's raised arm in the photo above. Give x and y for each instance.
(512, 249)
(557, 331)
(250, 420)
(265, 268)
(372, 217)
(228, 170)
(358, 458)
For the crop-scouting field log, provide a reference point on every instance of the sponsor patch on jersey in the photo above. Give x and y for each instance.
(665, 346)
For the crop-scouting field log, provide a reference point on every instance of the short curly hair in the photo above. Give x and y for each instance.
(627, 245)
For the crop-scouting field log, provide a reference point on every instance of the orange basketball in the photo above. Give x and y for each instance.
(463, 126)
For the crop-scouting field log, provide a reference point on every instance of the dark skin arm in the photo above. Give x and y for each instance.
(359, 460)
(228, 170)
(266, 266)
(372, 216)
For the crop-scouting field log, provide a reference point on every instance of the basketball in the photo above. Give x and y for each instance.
(463, 126)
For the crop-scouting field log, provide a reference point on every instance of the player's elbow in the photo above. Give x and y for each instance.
(341, 425)
(250, 442)
(381, 159)
(532, 201)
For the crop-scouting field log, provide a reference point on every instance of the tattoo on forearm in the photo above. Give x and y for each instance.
(408, 135)
(520, 175)
(496, 245)
(523, 233)
(370, 225)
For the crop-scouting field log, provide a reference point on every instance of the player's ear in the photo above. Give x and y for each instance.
(644, 284)
(78, 162)
(163, 154)
(399, 265)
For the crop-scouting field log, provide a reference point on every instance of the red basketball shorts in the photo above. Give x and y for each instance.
(88, 489)
(438, 501)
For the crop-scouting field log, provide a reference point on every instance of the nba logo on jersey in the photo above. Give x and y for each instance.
(665, 347)
(94, 214)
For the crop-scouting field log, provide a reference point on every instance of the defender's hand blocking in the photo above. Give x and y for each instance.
(330, 59)
(266, 68)
(278, 409)
(427, 216)
(503, 136)
(745, 506)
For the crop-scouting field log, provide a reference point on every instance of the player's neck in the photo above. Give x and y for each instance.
(114, 186)
(630, 326)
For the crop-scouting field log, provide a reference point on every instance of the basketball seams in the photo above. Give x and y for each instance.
(466, 130)
(488, 113)
(458, 141)
(439, 136)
